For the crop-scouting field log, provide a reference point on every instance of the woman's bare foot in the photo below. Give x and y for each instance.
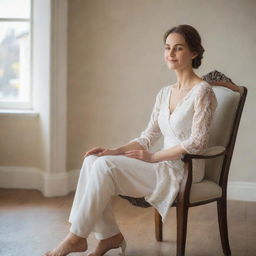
(107, 244)
(71, 243)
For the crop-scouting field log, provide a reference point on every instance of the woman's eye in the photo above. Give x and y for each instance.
(175, 48)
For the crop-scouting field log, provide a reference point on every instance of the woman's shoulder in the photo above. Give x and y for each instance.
(204, 87)
(206, 93)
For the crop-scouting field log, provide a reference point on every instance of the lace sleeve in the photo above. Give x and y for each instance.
(152, 132)
(204, 106)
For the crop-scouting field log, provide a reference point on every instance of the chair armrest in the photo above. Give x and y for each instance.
(211, 152)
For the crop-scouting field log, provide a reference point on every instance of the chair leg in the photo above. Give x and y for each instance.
(223, 227)
(182, 217)
(158, 226)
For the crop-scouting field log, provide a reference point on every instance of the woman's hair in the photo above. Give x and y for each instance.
(193, 40)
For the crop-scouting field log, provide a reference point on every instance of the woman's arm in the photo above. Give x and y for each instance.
(99, 151)
(130, 146)
(172, 153)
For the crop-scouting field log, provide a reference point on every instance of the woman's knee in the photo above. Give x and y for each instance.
(88, 162)
(102, 164)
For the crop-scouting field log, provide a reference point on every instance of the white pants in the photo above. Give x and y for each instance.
(100, 179)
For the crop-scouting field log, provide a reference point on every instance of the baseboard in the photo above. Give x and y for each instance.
(54, 184)
(62, 183)
(244, 191)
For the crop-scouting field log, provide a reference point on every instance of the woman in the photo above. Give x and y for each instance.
(182, 114)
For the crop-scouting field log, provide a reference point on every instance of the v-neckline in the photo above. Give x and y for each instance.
(183, 98)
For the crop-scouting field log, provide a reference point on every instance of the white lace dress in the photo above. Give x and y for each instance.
(188, 125)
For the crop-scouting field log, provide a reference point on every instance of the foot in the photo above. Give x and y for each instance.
(71, 243)
(107, 244)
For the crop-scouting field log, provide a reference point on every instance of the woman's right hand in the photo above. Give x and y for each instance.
(98, 151)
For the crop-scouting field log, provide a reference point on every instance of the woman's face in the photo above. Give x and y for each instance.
(177, 54)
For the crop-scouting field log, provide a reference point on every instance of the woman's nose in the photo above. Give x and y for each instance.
(171, 52)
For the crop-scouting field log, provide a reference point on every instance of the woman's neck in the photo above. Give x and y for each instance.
(186, 78)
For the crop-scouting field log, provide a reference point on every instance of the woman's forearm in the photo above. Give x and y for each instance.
(172, 153)
(130, 146)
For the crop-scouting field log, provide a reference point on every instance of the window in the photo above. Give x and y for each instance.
(15, 54)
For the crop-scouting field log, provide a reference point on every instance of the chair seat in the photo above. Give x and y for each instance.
(204, 190)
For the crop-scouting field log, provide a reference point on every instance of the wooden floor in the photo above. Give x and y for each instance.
(31, 224)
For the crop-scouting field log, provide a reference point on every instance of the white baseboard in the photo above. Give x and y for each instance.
(60, 184)
(244, 191)
(50, 184)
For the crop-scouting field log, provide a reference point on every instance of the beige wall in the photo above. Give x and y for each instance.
(20, 143)
(116, 67)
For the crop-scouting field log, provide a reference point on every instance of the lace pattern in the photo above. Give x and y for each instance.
(204, 105)
(169, 175)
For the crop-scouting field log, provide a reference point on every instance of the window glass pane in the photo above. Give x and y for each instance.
(15, 9)
(14, 61)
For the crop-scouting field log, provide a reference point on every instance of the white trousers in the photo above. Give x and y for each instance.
(100, 179)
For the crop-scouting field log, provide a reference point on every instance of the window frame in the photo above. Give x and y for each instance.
(23, 105)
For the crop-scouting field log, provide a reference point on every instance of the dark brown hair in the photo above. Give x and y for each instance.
(193, 40)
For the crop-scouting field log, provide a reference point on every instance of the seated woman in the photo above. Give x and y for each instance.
(182, 113)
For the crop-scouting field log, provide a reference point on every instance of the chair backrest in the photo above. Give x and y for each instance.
(224, 130)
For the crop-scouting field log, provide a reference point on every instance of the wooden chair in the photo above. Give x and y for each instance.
(213, 187)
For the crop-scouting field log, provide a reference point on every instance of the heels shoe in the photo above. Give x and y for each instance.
(122, 245)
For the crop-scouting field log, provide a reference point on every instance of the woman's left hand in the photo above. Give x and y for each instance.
(143, 155)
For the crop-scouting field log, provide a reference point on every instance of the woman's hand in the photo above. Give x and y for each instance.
(98, 151)
(110, 152)
(143, 155)
(94, 151)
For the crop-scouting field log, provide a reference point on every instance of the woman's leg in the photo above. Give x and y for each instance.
(72, 242)
(109, 176)
(81, 185)
(142, 179)
(106, 225)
